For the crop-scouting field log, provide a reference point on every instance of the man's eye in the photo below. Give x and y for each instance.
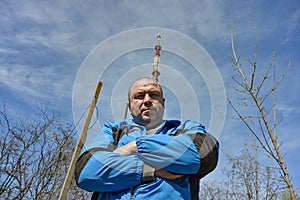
(139, 96)
(154, 95)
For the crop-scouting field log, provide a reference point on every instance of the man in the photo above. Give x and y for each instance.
(147, 157)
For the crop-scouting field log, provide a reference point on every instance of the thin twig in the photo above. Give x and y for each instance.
(265, 76)
(236, 61)
(277, 82)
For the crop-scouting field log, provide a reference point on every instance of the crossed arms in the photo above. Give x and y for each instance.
(186, 150)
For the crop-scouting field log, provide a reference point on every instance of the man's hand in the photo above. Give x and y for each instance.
(127, 149)
(131, 148)
(166, 175)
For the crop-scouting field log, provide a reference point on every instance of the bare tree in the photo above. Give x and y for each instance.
(35, 152)
(256, 107)
(249, 178)
(213, 190)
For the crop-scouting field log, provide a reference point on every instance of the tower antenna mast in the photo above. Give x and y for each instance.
(156, 62)
(155, 71)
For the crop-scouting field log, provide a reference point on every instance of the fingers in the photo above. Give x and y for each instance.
(127, 149)
(166, 175)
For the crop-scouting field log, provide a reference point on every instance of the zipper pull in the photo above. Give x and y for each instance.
(131, 192)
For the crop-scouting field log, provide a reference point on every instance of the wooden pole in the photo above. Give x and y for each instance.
(80, 143)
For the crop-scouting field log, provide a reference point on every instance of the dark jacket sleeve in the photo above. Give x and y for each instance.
(208, 149)
(207, 146)
(188, 150)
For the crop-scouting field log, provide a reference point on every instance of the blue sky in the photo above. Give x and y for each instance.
(45, 47)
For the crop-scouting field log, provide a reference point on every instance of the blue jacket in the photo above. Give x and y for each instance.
(178, 147)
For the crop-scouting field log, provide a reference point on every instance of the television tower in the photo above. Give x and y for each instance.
(157, 48)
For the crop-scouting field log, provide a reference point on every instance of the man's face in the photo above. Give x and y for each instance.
(146, 102)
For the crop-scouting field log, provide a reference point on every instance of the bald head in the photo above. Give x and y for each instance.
(146, 102)
(145, 81)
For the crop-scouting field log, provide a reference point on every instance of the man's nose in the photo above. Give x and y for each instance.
(147, 99)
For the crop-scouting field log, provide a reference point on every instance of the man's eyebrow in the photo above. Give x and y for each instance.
(139, 92)
(150, 90)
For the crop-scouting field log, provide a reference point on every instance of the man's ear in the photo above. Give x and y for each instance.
(128, 105)
(163, 102)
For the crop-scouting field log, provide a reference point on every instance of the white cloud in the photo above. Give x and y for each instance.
(35, 83)
(292, 27)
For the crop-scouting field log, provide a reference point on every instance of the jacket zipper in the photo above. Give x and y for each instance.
(132, 192)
